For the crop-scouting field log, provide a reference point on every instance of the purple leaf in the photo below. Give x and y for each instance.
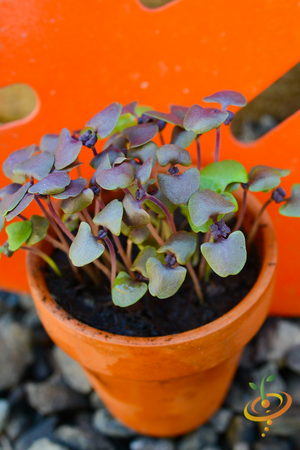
(201, 120)
(206, 204)
(227, 256)
(38, 166)
(49, 142)
(182, 244)
(111, 217)
(264, 178)
(140, 134)
(72, 190)
(134, 215)
(11, 201)
(105, 121)
(52, 184)
(67, 150)
(73, 205)
(172, 118)
(144, 172)
(85, 248)
(179, 188)
(118, 177)
(129, 108)
(160, 196)
(172, 154)
(112, 152)
(26, 200)
(16, 158)
(103, 165)
(181, 137)
(164, 281)
(70, 167)
(144, 152)
(179, 110)
(227, 98)
(291, 207)
(117, 140)
(9, 190)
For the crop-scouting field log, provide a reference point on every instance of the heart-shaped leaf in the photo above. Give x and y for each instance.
(182, 244)
(111, 217)
(179, 188)
(49, 142)
(164, 281)
(207, 183)
(291, 207)
(117, 177)
(16, 158)
(206, 204)
(11, 201)
(105, 121)
(38, 166)
(179, 110)
(85, 248)
(144, 172)
(227, 98)
(52, 184)
(70, 167)
(40, 227)
(2, 222)
(225, 172)
(9, 190)
(18, 233)
(144, 152)
(117, 140)
(130, 108)
(264, 178)
(112, 152)
(126, 292)
(140, 134)
(26, 200)
(139, 264)
(201, 120)
(73, 189)
(139, 236)
(134, 215)
(166, 117)
(227, 256)
(172, 154)
(181, 137)
(228, 196)
(73, 205)
(67, 149)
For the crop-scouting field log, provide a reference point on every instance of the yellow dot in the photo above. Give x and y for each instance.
(265, 403)
(266, 429)
(269, 422)
(263, 435)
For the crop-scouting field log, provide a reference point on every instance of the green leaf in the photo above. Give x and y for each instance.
(181, 137)
(18, 233)
(164, 281)
(201, 120)
(85, 248)
(117, 177)
(139, 236)
(39, 229)
(73, 205)
(71, 221)
(206, 204)
(207, 183)
(126, 292)
(1, 250)
(232, 187)
(254, 386)
(227, 256)
(2, 222)
(291, 207)
(172, 154)
(271, 378)
(228, 196)
(182, 244)
(263, 178)
(134, 215)
(139, 264)
(225, 172)
(111, 217)
(179, 188)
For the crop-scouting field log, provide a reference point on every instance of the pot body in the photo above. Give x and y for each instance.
(164, 386)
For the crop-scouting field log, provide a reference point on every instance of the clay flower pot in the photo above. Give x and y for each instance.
(164, 386)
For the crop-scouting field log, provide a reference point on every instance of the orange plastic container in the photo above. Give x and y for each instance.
(79, 59)
(164, 386)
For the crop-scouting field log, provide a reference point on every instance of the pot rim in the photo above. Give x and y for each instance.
(37, 282)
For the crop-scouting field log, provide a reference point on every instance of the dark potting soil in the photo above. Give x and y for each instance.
(150, 316)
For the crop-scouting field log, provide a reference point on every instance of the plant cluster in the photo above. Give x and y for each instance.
(148, 183)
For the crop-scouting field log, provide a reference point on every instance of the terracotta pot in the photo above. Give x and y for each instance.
(163, 386)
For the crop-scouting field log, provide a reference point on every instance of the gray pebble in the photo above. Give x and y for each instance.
(107, 425)
(43, 429)
(196, 440)
(45, 444)
(271, 443)
(95, 401)
(241, 446)
(287, 425)
(144, 443)
(81, 438)
(293, 388)
(4, 412)
(221, 420)
(71, 371)
(293, 359)
(240, 430)
(237, 397)
(52, 396)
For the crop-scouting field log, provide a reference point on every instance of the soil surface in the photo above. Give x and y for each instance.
(150, 316)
